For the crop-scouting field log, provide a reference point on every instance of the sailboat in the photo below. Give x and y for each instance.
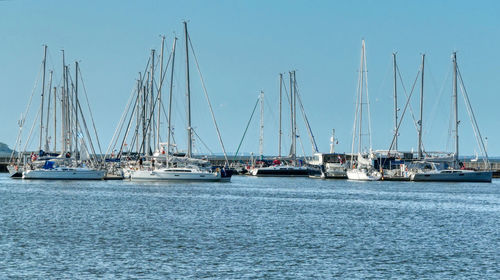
(284, 167)
(363, 170)
(455, 171)
(178, 168)
(73, 162)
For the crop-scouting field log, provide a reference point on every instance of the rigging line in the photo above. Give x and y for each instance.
(356, 109)
(148, 123)
(473, 118)
(288, 131)
(286, 92)
(164, 71)
(31, 131)
(368, 102)
(75, 108)
(155, 84)
(166, 119)
(246, 129)
(415, 122)
(271, 111)
(272, 123)
(135, 115)
(308, 126)
(450, 126)
(201, 140)
(90, 111)
(404, 110)
(208, 100)
(93, 156)
(121, 123)
(49, 55)
(449, 137)
(302, 146)
(435, 108)
(150, 119)
(22, 121)
(144, 107)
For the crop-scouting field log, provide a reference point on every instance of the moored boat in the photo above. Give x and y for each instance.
(453, 175)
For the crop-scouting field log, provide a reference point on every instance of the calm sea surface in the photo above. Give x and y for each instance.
(260, 228)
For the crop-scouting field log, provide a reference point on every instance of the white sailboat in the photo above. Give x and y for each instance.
(180, 168)
(73, 161)
(64, 173)
(455, 173)
(363, 170)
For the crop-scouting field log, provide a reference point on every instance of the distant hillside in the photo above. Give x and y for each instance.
(4, 149)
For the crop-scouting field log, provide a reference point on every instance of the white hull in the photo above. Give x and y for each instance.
(363, 175)
(64, 174)
(453, 176)
(177, 175)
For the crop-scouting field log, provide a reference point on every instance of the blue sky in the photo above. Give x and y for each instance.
(242, 46)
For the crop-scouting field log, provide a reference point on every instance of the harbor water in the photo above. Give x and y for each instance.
(259, 228)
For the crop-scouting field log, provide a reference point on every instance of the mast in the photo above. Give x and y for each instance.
(455, 104)
(76, 110)
(280, 132)
(55, 119)
(361, 94)
(69, 138)
(395, 104)
(137, 113)
(48, 114)
(188, 97)
(151, 102)
(159, 96)
(294, 117)
(144, 132)
(291, 117)
(170, 101)
(63, 124)
(261, 137)
(43, 92)
(421, 110)
(63, 108)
